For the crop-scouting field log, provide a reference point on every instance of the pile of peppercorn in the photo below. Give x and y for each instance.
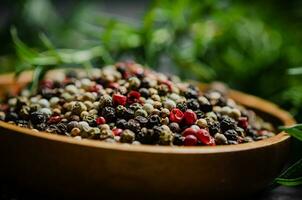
(130, 104)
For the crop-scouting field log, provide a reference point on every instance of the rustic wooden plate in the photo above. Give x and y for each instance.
(65, 167)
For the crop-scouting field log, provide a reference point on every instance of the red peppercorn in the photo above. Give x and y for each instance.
(189, 131)
(126, 75)
(47, 84)
(176, 115)
(204, 137)
(117, 131)
(243, 122)
(261, 132)
(189, 117)
(54, 119)
(100, 120)
(133, 96)
(4, 107)
(119, 99)
(190, 140)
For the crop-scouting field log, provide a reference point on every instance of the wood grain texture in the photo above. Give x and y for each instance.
(67, 167)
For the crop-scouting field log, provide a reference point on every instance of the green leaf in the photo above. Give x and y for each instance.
(289, 182)
(295, 131)
(38, 72)
(288, 177)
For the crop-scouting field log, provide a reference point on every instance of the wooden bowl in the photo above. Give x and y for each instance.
(65, 167)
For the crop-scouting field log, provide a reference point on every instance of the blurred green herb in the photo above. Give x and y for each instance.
(53, 58)
(293, 175)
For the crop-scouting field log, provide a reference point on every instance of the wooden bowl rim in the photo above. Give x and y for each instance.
(242, 98)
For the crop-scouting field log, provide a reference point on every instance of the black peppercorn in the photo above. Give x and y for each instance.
(206, 107)
(38, 117)
(129, 113)
(22, 122)
(231, 135)
(71, 125)
(148, 137)
(120, 111)
(182, 106)
(121, 123)
(109, 114)
(193, 104)
(47, 93)
(145, 83)
(191, 94)
(142, 120)
(61, 128)
(199, 114)
(221, 102)
(214, 127)
(174, 127)
(153, 120)
(178, 140)
(40, 127)
(11, 116)
(133, 125)
(227, 123)
(144, 92)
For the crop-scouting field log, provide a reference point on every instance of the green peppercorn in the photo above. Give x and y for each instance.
(105, 101)
(56, 111)
(25, 112)
(46, 111)
(83, 114)
(157, 104)
(148, 107)
(2, 116)
(90, 119)
(169, 104)
(202, 123)
(71, 89)
(164, 121)
(78, 108)
(220, 139)
(226, 110)
(163, 89)
(95, 132)
(155, 97)
(134, 82)
(127, 136)
(164, 112)
(165, 137)
(141, 112)
(135, 106)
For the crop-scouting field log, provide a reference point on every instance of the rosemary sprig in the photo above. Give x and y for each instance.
(41, 62)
